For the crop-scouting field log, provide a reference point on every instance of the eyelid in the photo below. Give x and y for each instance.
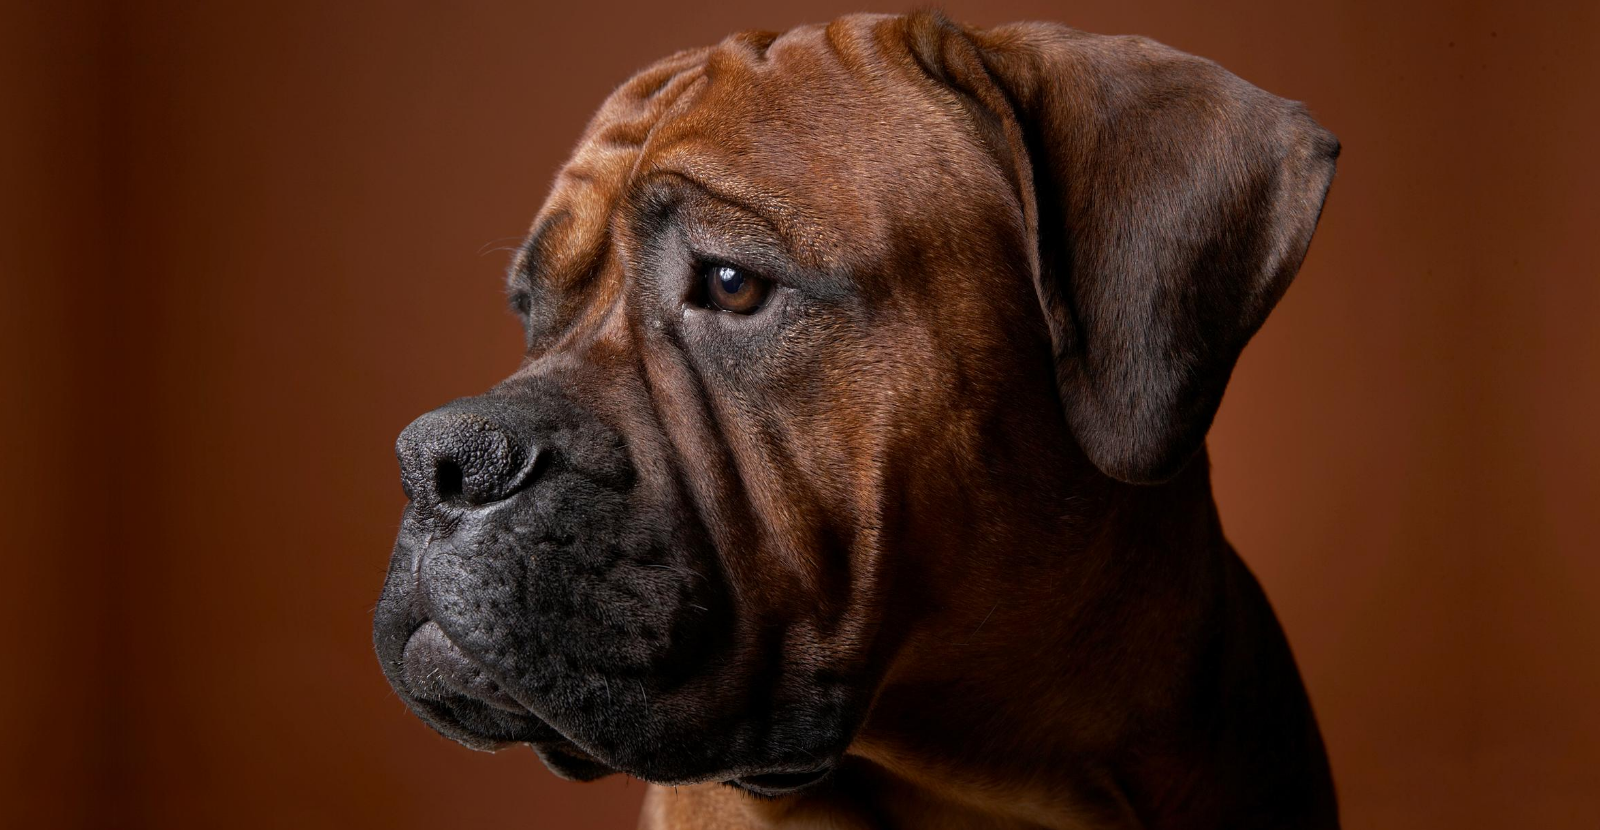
(703, 262)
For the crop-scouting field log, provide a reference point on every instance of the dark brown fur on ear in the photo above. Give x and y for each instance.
(1172, 204)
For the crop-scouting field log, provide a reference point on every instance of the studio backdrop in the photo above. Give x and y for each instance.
(244, 244)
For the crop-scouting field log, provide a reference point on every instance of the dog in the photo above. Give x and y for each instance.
(854, 476)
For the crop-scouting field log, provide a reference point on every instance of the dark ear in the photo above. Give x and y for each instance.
(1171, 203)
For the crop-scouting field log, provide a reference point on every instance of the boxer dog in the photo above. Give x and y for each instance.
(854, 474)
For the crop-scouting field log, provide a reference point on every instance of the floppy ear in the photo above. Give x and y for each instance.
(1171, 204)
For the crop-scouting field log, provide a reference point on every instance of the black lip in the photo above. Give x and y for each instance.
(486, 718)
(443, 687)
(776, 784)
(566, 760)
(561, 755)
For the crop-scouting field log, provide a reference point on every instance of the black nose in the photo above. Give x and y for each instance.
(458, 457)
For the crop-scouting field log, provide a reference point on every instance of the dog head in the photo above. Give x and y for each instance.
(817, 326)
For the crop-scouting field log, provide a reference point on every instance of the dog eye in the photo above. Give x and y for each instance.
(731, 289)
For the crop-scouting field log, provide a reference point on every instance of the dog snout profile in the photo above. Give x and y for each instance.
(460, 456)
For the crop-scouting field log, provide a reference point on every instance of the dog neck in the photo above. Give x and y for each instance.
(1130, 675)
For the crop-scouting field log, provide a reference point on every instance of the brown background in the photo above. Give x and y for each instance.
(243, 244)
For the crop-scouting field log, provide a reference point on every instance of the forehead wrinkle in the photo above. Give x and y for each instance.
(569, 249)
(777, 136)
(804, 237)
(740, 198)
(680, 102)
(589, 184)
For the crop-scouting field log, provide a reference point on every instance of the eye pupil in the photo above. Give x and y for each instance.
(730, 289)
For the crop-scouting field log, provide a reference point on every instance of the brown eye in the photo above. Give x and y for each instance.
(733, 290)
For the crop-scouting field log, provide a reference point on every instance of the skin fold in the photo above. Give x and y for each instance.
(925, 538)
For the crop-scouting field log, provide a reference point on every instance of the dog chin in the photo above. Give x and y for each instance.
(567, 761)
(560, 755)
(493, 729)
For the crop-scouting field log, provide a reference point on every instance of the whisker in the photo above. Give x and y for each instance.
(486, 249)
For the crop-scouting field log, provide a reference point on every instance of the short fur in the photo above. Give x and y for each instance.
(928, 541)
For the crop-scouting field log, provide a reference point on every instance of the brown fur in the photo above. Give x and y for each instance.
(968, 474)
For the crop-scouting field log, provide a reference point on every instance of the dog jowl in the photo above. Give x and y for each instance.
(857, 450)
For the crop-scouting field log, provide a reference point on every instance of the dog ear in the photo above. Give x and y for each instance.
(1171, 204)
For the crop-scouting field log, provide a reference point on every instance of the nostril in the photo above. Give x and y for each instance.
(457, 457)
(449, 479)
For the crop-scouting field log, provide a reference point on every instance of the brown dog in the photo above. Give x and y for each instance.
(856, 462)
